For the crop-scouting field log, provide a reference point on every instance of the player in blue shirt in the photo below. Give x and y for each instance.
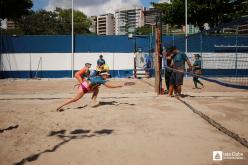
(178, 65)
(91, 85)
(167, 60)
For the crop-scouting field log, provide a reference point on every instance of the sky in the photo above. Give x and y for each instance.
(91, 7)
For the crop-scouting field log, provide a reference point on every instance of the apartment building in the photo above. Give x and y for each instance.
(105, 24)
(127, 20)
(150, 16)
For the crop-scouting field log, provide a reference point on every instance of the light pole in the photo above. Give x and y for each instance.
(186, 29)
(186, 26)
(72, 38)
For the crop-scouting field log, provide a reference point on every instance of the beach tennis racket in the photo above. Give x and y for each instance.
(129, 83)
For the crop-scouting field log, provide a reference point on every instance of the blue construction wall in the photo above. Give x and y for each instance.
(20, 55)
(206, 43)
(94, 43)
(62, 44)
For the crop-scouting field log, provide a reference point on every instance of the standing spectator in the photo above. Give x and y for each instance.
(167, 59)
(178, 65)
(148, 65)
(197, 70)
(100, 61)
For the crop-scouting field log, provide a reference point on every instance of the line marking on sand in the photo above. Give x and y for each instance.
(217, 125)
(212, 122)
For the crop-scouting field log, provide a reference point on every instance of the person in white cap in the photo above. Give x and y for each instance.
(91, 85)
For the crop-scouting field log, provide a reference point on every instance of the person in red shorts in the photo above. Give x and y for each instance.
(92, 85)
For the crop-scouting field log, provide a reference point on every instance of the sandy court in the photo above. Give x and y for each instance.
(131, 126)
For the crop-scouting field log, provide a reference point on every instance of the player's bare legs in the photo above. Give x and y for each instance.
(95, 93)
(171, 89)
(94, 96)
(179, 89)
(76, 98)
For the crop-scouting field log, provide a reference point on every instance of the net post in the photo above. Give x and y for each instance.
(135, 67)
(158, 81)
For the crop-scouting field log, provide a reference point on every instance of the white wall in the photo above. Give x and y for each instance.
(29, 61)
(116, 61)
(62, 61)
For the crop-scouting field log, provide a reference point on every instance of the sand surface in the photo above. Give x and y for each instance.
(131, 126)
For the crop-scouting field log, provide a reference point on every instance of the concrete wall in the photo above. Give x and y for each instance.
(56, 65)
(25, 65)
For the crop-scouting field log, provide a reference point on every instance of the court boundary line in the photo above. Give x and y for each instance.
(217, 125)
(213, 123)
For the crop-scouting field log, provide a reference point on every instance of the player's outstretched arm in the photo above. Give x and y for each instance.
(110, 85)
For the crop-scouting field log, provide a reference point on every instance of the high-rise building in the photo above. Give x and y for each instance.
(150, 16)
(127, 20)
(105, 24)
(93, 27)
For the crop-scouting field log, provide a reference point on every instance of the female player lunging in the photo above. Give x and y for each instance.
(91, 85)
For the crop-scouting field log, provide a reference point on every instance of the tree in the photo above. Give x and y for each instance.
(40, 22)
(145, 30)
(199, 12)
(81, 22)
(14, 9)
(53, 22)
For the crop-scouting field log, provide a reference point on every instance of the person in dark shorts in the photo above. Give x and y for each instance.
(197, 70)
(178, 65)
(167, 57)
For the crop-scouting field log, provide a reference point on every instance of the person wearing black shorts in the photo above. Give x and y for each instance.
(178, 65)
(167, 57)
(197, 70)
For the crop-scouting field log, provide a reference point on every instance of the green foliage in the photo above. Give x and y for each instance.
(14, 9)
(81, 22)
(41, 22)
(203, 11)
(145, 30)
(53, 22)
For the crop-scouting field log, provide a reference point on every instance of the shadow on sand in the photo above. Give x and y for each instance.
(66, 137)
(64, 109)
(9, 128)
(115, 103)
(101, 103)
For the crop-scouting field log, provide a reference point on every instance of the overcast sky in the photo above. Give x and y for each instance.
(91, 7)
